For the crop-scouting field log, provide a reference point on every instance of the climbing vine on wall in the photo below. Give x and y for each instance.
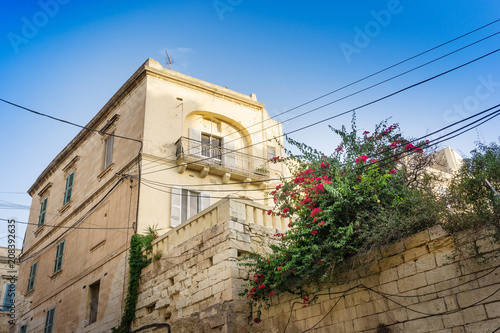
(137, 261)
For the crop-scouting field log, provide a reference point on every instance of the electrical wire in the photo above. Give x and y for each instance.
(348, 111)
(376, 73)
(434, 142)
(79, 221)
(342, 98)
(61, 226)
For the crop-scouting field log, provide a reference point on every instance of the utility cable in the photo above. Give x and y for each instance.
(342, 98)
(348, 111)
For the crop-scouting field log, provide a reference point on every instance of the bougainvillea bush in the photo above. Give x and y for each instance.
(371, 190)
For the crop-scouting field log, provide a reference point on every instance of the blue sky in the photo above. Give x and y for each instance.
(68, 57)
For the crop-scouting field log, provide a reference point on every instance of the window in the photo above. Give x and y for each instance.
(24, 329)
(49, 320)
(94, 301)
(31, 280)
(211, 146)
(108, 151)
(43, 210)
(59, 257)
(271, 153)
(187, 203)
(69, 188)
(8, 299)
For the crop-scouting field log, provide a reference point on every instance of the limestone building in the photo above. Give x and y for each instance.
(163, 149)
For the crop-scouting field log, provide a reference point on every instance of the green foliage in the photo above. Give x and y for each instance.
(371, 190)
(472, 201)
(137, 261)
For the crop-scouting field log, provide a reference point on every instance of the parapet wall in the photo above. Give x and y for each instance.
(194, 286)
(418, 284)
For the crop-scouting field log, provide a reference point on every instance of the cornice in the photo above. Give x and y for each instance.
(203, 86)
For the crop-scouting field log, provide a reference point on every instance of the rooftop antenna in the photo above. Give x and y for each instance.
(168, 60)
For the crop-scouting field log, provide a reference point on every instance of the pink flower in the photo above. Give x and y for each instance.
(320, 262)
(285, 210)
(314, 232)
(271, 293)
(394, 144)
(321, 223)
(306, 299)
(257, 320)
(362, 158)
(409, 146)
(366, 132)
(316, 211)
(269, 212)
(324, 165)
(262, 286)
(392, 171)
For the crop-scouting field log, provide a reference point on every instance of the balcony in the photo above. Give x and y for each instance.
(218, 160)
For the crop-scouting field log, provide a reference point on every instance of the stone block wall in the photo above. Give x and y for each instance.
(419, 284)
(194, 286)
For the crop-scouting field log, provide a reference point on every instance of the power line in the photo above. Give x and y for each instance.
(59, 226)
(393, 158)
(69, 122)
(348, 111)
(352, 94)
(379, 72)
(380, 153)
(77, 222)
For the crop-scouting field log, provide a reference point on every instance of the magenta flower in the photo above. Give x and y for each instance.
(366, 132)
(362, 157)
(392, 171)
(409, 146)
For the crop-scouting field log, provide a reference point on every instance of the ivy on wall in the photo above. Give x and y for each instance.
(137, 261)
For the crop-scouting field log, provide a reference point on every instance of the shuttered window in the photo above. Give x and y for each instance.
(49, 320)
(43, 210)
(59, 256)
(8, 299)
(187, 203)
(24, 329)
(94, 301)
(31, 280)
(69, 188)
(108, 151)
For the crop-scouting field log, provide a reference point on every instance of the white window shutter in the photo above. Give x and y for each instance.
(194, 146)
(175, 209)
(206, 200)
(229, 157)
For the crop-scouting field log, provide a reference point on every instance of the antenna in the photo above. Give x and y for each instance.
(168, 60)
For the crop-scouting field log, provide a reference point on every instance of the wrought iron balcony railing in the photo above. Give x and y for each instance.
(200, 153)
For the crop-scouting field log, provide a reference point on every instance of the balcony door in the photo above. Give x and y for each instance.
(211, 146)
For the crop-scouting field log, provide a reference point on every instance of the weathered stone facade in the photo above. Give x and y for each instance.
(418, 284)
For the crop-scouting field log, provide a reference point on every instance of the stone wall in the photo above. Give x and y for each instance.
(418, 284)
(194, 286)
